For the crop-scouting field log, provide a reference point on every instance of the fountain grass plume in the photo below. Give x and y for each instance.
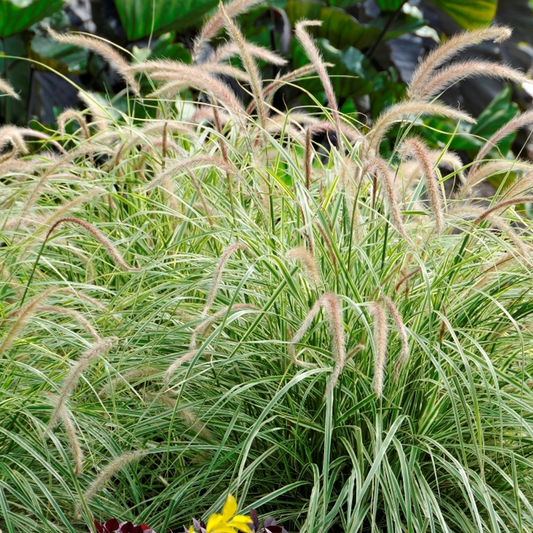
(101, 119)
(71, 380)
(99, 236)
(249, 64)
(451, 48)
(104, 49)
(419, 151)
(377, 164)
(308, 158)
(403, 110)
(78, 317)
(308, 261)
(524, 119)
(7, 88)
(218, 273)
(486, 170)
(314, 55)
(114, 467)
(69, 115)
(501, 206)
(402, 332)
(70, 429)
(22, 315)
(447, 76)
(188, 416)
(231, 49)
(215, 23)
(331, 303)
(284, 79)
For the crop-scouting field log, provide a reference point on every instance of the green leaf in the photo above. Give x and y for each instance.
(348, 75)
(18, 15)
(500, 111)
(141, 18)
(469, 15)
(390, 5)
(339, 28)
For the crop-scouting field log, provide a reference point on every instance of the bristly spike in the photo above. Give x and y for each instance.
(316, 59)
(451, 48)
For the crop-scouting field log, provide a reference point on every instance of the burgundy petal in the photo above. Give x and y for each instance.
(99, 528)
(126, 527)
(111, 525)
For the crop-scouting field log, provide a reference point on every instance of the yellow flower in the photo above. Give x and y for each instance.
(228, 521)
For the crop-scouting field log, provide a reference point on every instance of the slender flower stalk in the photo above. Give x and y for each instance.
(316, 59)
(249, 65)
(381, 332)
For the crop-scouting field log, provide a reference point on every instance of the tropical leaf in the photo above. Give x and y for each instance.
(339, 28)
(469, 15)
(141, 18)
(390, 5)
(18, 15)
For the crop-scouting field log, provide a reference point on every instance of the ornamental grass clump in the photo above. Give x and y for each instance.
(204, 304)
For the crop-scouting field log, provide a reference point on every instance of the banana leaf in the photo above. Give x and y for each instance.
(18, 15)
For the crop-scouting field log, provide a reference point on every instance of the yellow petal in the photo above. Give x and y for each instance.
(191, 529)
(239, 521)
(230, 508)
(214, 522)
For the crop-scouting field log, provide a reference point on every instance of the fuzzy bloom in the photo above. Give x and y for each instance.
(377, 164)
(7, 88)
(403, 110)
(216, 22)
(501, 206)
(23, 314)
(447, 76)
(404, 352)
(218, 273)
(103, 49)
(229, 50)
(107, 473)
(308, 261)
(524, 119)
(420, 152)
(449, 49)
(249, 64)
(99, 236)
(314, 55)
(332, 305)
(72, 114)
(98, 348)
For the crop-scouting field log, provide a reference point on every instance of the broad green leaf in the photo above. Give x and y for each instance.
(390, 5)
(18, 15)
(471, 14)
(339, 28)
(141, 18)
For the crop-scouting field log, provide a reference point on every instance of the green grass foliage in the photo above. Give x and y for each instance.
(199, 305)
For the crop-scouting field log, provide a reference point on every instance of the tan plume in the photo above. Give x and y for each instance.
(102, 48)
(451, 48)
